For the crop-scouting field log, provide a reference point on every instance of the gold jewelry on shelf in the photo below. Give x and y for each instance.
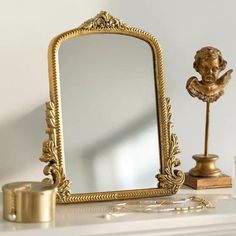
(192, 203)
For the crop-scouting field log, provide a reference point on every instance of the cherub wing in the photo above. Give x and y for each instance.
(224, 79)
(190, 80)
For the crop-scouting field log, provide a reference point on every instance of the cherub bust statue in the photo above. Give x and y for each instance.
(209, 63)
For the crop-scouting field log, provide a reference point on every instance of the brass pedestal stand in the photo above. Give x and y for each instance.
(205, 175)
(205, 166)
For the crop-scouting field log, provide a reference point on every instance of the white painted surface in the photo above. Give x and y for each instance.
(87, 219)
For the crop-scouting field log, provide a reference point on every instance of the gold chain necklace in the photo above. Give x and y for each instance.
(192, 203)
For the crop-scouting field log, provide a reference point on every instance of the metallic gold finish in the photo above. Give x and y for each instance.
(29, 202)
(50, 156)
(205, 166)
(169, 179)
(164, 205)
(209, 63)
(207, 128)
(222, 181)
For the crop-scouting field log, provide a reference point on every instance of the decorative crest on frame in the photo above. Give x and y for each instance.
(103, 21)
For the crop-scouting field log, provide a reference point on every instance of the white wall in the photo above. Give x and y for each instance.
(182, 27)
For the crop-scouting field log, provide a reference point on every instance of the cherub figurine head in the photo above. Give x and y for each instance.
(208, 63)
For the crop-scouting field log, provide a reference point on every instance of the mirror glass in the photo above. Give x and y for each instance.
(108, 108)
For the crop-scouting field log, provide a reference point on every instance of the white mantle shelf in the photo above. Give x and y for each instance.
(88, 219)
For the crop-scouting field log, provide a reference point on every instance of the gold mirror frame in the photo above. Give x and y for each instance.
(169, 179)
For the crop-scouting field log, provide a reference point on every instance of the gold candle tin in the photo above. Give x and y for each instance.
(29, 202)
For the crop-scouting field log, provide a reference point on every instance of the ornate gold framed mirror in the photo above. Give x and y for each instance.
(109, 120)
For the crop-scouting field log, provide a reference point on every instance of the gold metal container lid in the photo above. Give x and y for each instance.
(29, 202)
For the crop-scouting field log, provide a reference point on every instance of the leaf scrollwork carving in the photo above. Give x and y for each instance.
(172, 178)
(49, 156)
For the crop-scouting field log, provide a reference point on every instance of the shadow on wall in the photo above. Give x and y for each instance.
(21, 145)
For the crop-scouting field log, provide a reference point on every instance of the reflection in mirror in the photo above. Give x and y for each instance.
(109, 113)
